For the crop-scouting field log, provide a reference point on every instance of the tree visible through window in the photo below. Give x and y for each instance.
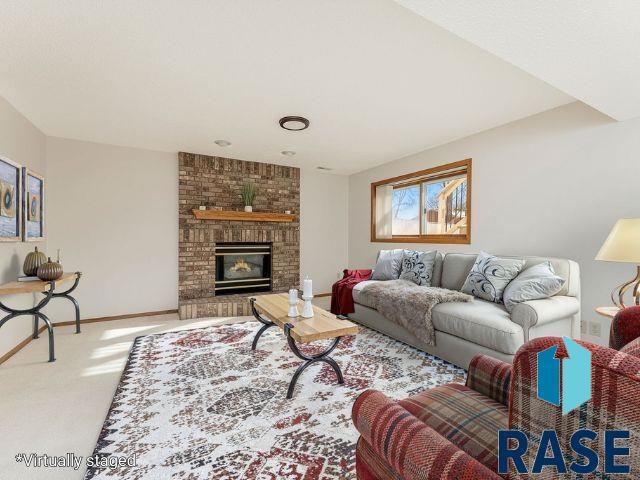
(406, 211)
(432, 205)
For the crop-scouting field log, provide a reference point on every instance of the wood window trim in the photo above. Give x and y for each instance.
(418, 178)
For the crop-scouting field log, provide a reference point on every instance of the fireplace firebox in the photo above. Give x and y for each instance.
(242, 268)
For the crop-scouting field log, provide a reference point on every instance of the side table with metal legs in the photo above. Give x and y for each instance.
(48, 290)
(35, 311)
(66, 295)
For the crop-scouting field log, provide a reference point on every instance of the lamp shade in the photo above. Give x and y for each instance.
(623, 242)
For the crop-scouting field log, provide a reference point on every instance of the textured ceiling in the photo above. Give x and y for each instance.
(376, 80)
(588, 49)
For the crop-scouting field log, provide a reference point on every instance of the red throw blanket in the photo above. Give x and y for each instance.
(341, 296)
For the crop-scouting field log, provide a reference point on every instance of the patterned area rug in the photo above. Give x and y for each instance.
(199, 404)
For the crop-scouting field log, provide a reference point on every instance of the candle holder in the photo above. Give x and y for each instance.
(307, 309)
(293, 309)
(293, 303)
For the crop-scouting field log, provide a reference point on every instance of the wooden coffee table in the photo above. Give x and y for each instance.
(271, 311)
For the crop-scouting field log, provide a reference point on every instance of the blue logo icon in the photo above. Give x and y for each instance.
(566, 381)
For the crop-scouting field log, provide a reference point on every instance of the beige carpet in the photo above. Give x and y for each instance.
(56, 408)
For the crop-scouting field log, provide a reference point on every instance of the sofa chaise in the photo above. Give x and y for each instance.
(463, 330)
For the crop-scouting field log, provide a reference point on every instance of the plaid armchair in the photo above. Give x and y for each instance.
(451, 431)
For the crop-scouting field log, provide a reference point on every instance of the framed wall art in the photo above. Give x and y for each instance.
(10, 198)
(34, 202)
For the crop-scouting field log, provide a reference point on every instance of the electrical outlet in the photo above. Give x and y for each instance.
(595, 329)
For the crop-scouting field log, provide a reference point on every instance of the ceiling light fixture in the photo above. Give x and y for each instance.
(288, 153)
(324, 168)
(294, 123)
(222, 143)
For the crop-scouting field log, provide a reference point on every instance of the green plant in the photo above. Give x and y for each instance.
(248, 193)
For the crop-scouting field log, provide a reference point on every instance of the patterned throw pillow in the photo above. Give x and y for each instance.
(388, 265)
(534, 283)
(490, 275)
(417, 267)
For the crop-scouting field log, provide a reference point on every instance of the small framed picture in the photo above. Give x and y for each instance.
(33, 205)
(10, 198)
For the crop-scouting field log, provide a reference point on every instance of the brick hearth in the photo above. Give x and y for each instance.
(216, 182)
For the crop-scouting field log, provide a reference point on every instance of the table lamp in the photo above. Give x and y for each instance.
(623, 245)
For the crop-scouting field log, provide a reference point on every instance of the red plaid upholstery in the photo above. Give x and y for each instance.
(450, 432)
(411, 448)
(615, 401)
(370, 466)
(632, 348)
(490, 377)
(625, 327)
(463, 416)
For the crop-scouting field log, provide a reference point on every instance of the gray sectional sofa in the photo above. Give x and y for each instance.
(463, 330)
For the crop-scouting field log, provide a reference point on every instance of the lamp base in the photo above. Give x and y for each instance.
(617, 295)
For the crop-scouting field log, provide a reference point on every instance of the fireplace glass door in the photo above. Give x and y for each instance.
(243, 268)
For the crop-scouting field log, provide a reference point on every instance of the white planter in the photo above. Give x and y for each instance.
(248, 208)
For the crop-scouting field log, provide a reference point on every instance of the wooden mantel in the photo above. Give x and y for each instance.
(243, 216)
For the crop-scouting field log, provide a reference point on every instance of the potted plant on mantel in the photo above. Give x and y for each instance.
(248, 193)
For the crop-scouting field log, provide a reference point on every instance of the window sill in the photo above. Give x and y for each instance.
(452, 239)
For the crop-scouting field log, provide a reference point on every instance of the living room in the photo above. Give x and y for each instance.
(255, 239)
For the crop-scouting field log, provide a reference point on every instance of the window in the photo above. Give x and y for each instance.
(429, 206)
(406, 210)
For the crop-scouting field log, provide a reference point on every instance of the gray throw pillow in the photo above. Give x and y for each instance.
(490, 275)
(417, 267)
(388, 265)
(534, 283)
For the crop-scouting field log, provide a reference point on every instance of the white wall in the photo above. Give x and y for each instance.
(25, 144)
(323, 227)
(551, 184)
(113, 212)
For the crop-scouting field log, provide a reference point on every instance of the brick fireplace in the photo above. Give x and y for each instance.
(261, 257)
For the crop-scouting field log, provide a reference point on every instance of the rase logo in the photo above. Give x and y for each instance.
(565, 383)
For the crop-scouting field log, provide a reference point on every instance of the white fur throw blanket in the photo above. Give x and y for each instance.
(410, 305)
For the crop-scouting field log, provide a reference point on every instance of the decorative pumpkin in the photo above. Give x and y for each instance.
(32, 262)
(49, 271)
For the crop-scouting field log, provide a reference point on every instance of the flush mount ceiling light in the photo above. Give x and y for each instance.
(222, 143)
(294, 123)
(288, 153)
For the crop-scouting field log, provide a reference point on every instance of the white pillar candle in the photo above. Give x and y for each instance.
(307, 289)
